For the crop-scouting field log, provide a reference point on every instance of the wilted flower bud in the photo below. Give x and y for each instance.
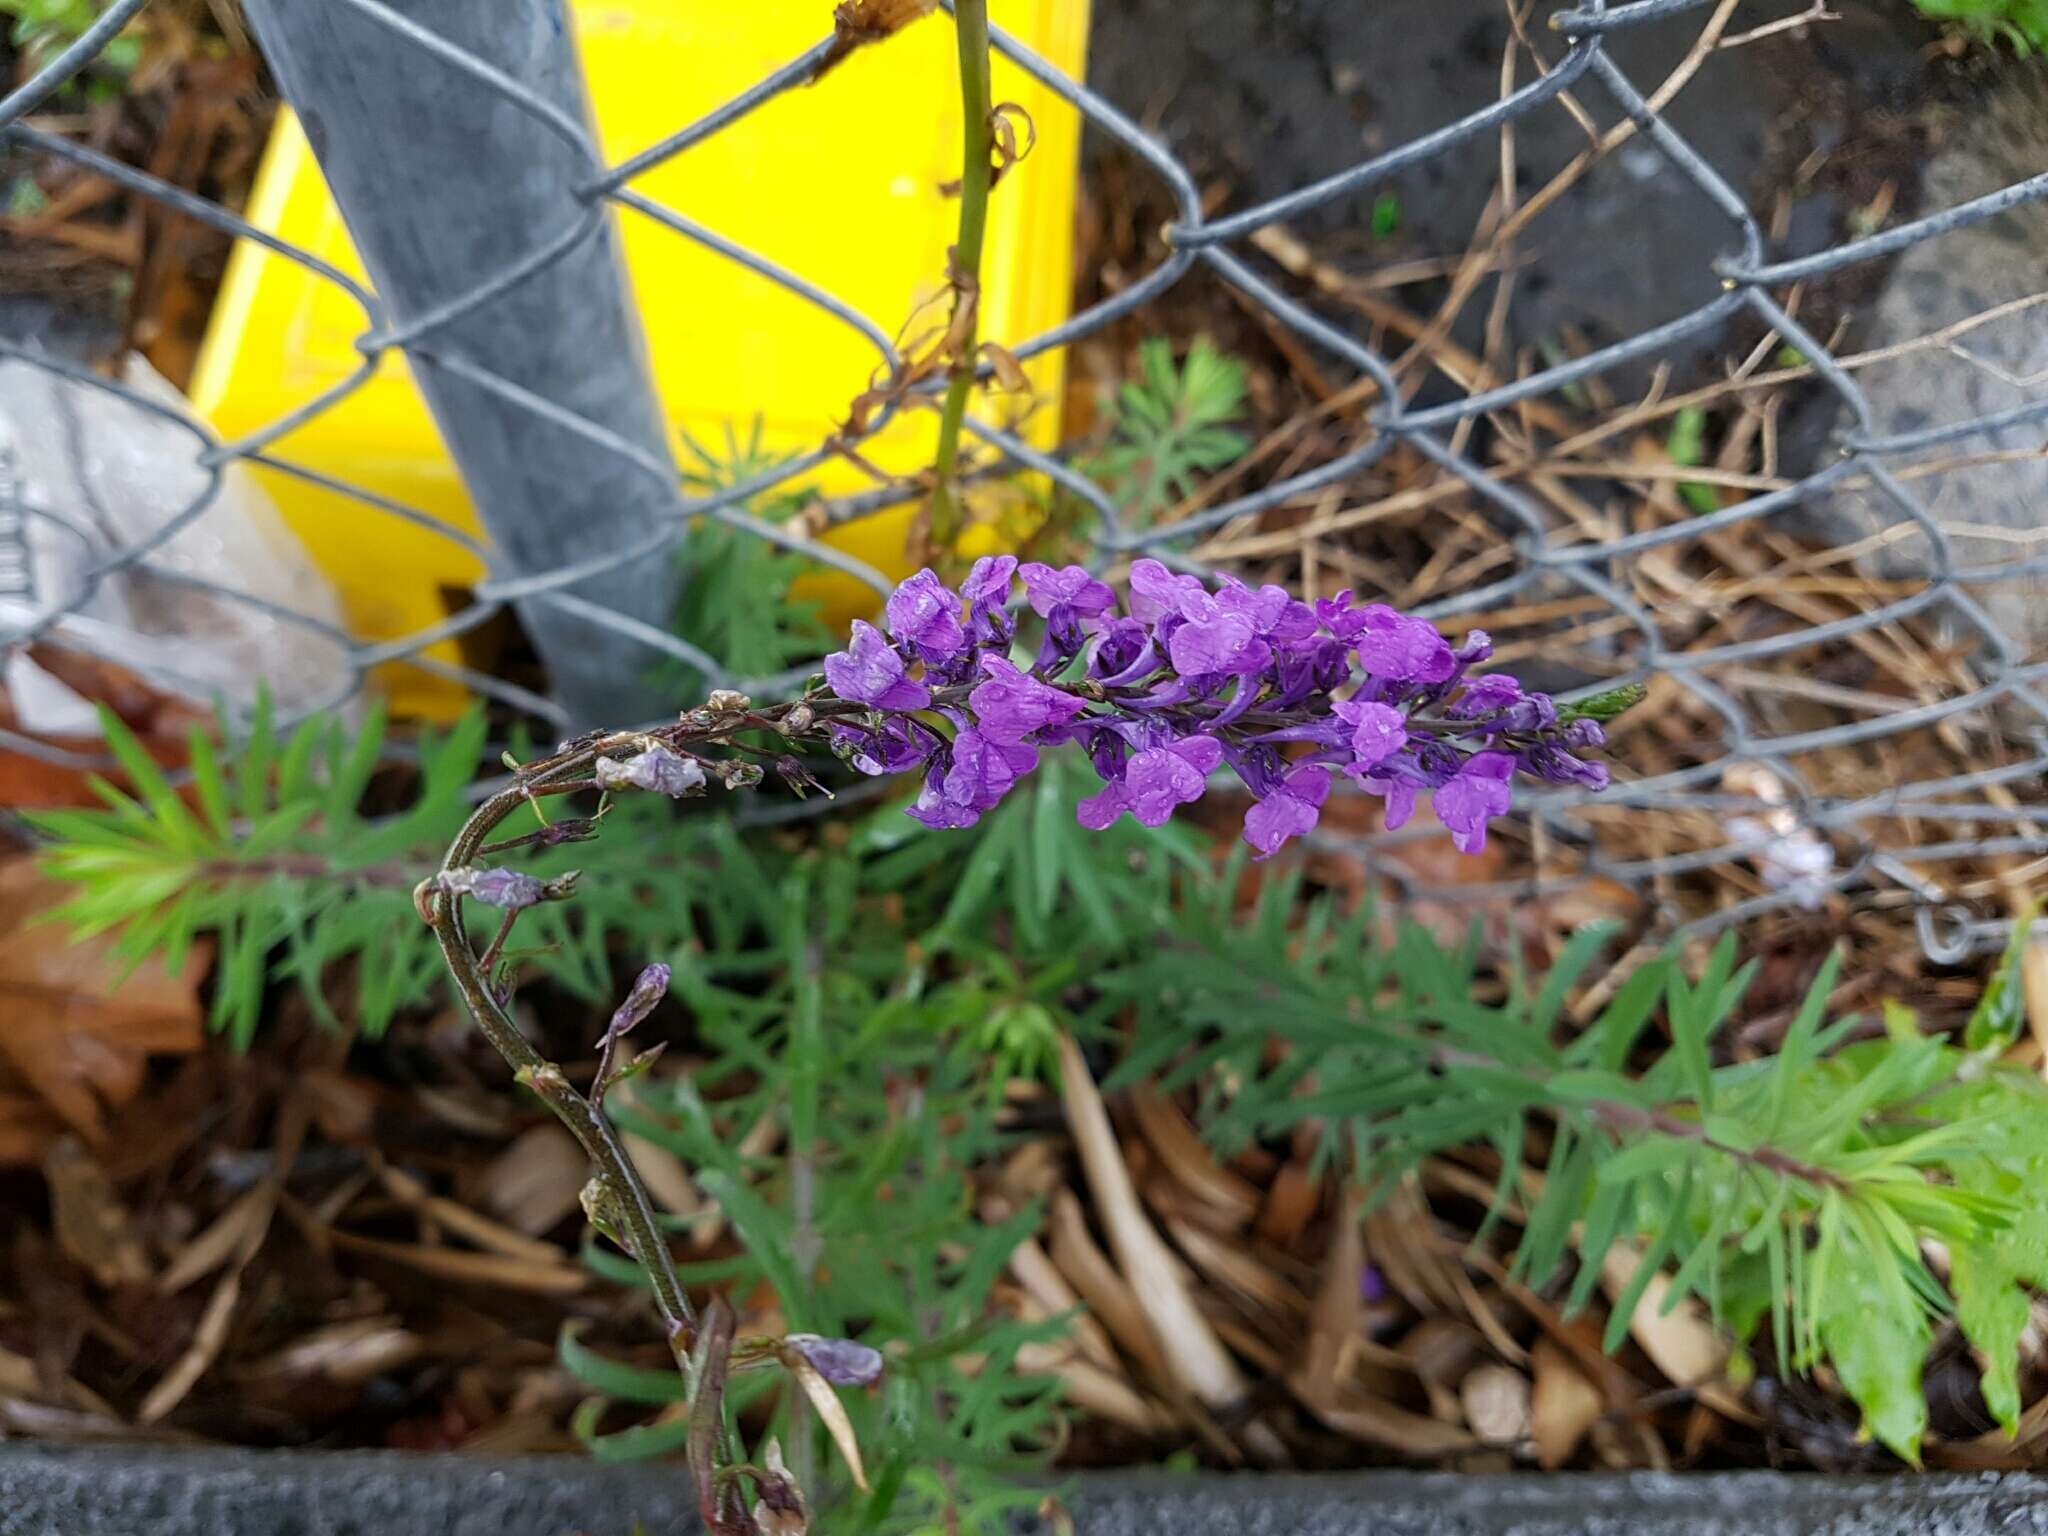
(648, 989)
(577, 829)
(510, 890)
(843, 1362)
(724, 701)
(657, 769)
(735, 774)
(780, 1511)
(798, 777)
(800, 718)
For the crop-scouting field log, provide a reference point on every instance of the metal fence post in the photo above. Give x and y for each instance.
(446, 169)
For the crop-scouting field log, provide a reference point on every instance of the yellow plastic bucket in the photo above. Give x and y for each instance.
(838, 182)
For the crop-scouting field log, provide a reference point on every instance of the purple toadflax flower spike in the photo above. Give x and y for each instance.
(1189, 681)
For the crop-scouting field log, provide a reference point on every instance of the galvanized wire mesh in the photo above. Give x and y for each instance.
(1977, 820)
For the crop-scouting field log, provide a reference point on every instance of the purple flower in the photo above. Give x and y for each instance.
(869, 672)
(1490, 694)
(1476, 793)
(1340, 616)
(1070, 587)
(975, 777)
(1400, 795)
(1393, 646)
(986, 592)
(924, 614)
(1215, 643)
(1156, 782)
(1378, 731)
(1012, 703)
(843, 1362)
(988, 584)
(1271, 613)
(1290, 811)
(1157, 592)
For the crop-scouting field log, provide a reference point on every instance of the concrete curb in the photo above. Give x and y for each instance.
(49, 1490)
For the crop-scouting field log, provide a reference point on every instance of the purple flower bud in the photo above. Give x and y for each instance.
(657, 769)
(843, 1362)
(869, 672)
(648, 989)
(925, 615)
(800, 779)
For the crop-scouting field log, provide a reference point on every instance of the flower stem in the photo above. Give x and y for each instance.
(970, 20)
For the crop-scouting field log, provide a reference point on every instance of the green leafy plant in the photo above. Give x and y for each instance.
(277, 859)
(1171, 426)
(735, 602)
(2022, 23)
(42, 29)
(864, 1225)
(1798, 1191)
(1687, 446)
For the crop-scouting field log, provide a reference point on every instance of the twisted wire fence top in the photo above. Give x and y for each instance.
(1968, 833)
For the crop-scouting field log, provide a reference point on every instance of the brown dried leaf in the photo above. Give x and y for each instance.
(92, 1225)
(1184, 1155)
(1109, 1296)
(207, 1342)
(464, 1222)
(1096, 1392)
(19, 1378)
(830, 1410)
(1683, 1342)
(1047, 1287)
(1496, 1403)
(1563, 1406)
(76, 1032)
(1292, 1200)
(350, 1353)
(493, 1269)
(536, 1181)
(1237, 1268)
(857, 22)
(1374, 1421)
(1009, 373)
(1195, 1357)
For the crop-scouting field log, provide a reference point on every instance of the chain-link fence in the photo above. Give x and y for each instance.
(1906, 787)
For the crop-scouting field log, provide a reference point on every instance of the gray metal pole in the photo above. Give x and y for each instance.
(445, 182)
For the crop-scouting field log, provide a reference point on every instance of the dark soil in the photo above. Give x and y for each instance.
(1260, 97)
